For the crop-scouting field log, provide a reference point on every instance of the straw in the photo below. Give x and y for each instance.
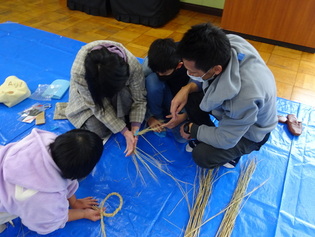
(228, 222)
(148, 129)
(101, 208)
(201, 201)
(143, 158)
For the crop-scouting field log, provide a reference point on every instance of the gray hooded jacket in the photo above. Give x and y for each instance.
(242, 98)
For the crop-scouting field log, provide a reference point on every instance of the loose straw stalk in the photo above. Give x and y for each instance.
(146, 159)
(141, 157)
(201, 201)
(233, 208)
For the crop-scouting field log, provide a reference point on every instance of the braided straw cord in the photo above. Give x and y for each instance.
(117, 209)
(109, 214)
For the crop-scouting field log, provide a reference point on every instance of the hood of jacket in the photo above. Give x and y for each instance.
(28, 163)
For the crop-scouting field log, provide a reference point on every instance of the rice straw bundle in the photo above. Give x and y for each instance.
(228, 222)
(201, 201)
(148, 129)
(101, 208)
(239, 198)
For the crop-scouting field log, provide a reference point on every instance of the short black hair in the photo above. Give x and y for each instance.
(162, 55)
(106, 73)
(206, 45)
(76, 152)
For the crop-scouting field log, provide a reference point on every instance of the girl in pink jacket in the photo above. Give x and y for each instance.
(38, 179)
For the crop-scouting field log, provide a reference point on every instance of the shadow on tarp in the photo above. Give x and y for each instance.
(283, 206)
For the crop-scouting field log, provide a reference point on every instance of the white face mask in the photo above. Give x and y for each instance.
(195, 78)
(200, 78)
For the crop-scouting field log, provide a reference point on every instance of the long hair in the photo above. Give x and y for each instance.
(106, 74)
(76, 152)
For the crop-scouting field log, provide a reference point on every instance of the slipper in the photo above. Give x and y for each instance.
(282, 119)
(295, 127)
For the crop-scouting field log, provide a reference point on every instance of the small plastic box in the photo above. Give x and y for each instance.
(57, 89)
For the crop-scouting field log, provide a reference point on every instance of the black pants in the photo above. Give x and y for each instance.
(211, 157)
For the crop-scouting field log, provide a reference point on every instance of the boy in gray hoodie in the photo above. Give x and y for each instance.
(230, 81)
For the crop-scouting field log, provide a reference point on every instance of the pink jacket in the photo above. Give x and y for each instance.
(31, 186)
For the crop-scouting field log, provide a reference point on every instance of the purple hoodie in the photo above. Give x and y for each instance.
(31, 185)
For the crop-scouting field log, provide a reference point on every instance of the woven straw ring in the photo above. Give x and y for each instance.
(117, 209)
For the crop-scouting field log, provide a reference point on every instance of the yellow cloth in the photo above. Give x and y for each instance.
(13, 91)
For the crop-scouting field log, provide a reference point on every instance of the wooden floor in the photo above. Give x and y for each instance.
(294, 70)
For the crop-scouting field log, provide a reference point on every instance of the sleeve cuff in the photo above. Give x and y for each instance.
(124, 130)
(194, 130)
(134, 124)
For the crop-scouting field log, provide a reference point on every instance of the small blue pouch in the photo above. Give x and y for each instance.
(57, 89)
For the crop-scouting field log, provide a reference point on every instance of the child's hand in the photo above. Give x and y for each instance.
(156, 124)
(131, 142)
(175, 121)
(88, 213)
(93, 215)
(84, 203)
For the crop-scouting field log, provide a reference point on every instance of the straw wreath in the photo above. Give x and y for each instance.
(101, 208)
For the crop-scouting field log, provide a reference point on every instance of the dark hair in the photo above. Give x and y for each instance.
(162, 55)
(206, 45)
(76, 152)
(106, 74)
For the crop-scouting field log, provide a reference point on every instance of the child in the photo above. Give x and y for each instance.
(165, 76)
(107, 91)
(38, 177)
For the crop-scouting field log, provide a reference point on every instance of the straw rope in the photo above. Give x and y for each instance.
(117, 209)
(105, 214)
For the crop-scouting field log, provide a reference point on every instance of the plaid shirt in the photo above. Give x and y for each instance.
(81, 105)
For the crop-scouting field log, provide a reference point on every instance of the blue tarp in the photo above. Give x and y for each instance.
(283, 206)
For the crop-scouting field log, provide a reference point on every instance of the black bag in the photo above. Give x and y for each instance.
(153, 13)
(91, 7)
